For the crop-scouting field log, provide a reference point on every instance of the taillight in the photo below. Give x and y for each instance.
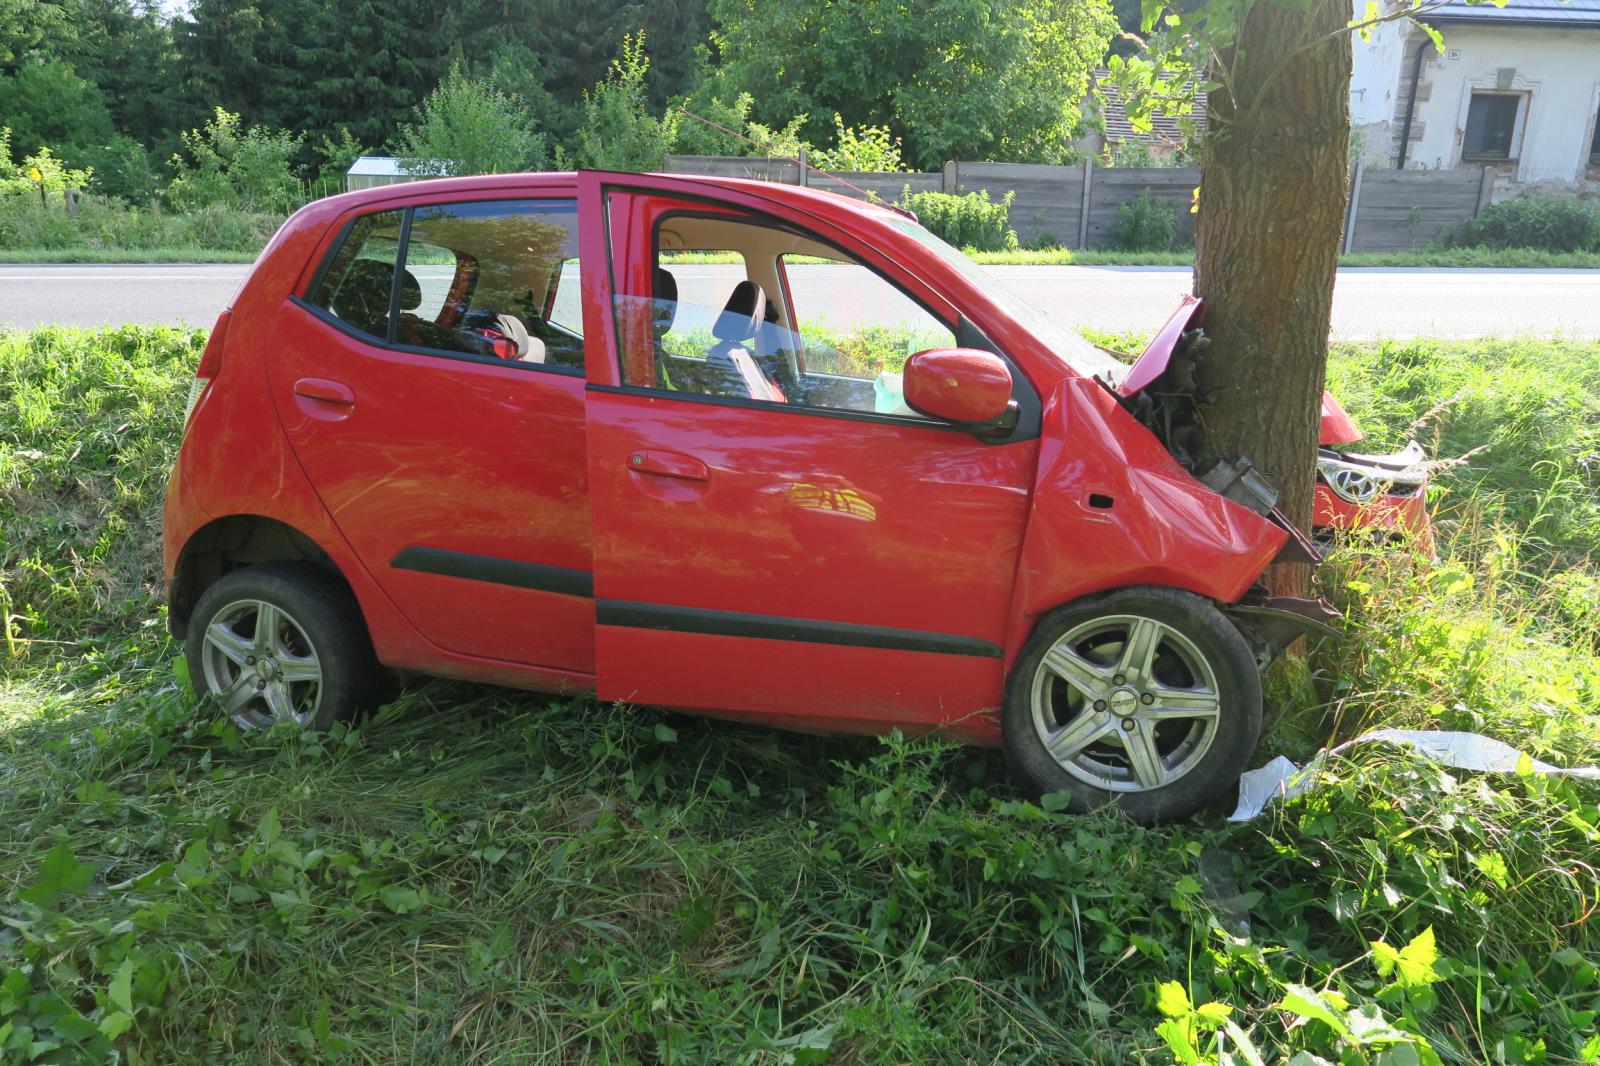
(210, 361)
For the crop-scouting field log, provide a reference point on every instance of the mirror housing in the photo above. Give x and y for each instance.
(966, 386)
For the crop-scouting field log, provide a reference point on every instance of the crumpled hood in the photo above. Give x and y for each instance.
(1337, 428)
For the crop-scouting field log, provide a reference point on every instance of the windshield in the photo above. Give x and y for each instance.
(1067, 345)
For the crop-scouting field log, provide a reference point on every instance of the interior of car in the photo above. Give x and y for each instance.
(750, 343)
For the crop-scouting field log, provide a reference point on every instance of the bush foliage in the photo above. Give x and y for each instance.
(466, 127)
(1550, 223)
(968, 221)
(1144, 224)
(477, 873)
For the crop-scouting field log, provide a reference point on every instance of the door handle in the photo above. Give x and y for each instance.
(326, 391)
(668, 464)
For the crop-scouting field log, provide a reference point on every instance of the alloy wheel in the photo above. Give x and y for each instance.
(1125, 703)
(260, 666)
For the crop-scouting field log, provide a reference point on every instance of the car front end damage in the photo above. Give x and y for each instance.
(1161, 391)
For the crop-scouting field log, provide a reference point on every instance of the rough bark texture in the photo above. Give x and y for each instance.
(1272, 200)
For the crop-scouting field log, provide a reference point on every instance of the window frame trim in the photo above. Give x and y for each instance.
(1523, 99)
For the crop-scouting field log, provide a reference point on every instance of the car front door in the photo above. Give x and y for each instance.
(775, 535)
(439, 411)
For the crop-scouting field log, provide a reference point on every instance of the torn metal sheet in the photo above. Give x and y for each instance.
(1282, 779)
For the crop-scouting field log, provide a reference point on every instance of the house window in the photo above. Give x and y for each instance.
(1491, 125)
(1594, 145)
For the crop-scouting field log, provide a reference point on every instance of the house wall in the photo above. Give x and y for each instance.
(1375, 83)
(1559, 69)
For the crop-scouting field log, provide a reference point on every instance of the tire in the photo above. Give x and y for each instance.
(316, 669)
(1198, 700)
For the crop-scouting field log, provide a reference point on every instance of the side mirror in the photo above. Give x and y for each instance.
(962, 385)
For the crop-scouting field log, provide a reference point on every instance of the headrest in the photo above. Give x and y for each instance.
(363, 296)
(410, 291)
(743, 314)
(665, 307)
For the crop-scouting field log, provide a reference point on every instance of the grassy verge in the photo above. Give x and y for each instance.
(89, 254)
(1482, 258)
(479, 875)
(109, 231)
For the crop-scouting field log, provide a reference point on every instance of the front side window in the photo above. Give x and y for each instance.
(754, 312)
(1594, 144)
(481, 279)
(1491, 125)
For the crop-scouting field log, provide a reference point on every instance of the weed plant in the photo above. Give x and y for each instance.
(479, 875)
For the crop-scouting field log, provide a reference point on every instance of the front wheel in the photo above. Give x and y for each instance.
(1147, 697)
(283, 642)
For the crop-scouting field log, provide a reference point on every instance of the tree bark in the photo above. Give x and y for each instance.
(1273, 178)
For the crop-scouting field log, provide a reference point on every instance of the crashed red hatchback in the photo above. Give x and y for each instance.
(524, 430)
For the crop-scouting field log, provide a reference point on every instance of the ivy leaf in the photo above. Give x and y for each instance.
(61, 874)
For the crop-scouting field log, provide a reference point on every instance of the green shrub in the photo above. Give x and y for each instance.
(1551, 223)
(1144, 225)
(620, 131)
(464, 127)
(122, 169)
(229, 164)
(969, 221)
(866, 149)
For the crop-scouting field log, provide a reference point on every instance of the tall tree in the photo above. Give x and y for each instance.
(1273, 175)
(1273, 190)
(972, 79)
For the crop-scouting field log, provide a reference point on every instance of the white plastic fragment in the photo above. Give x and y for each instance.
(1280, 778)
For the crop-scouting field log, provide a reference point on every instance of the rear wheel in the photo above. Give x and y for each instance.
(282, 642)
(1147, 697)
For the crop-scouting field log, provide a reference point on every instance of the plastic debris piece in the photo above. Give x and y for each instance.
(1281, 778)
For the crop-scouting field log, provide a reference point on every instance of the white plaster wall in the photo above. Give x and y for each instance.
(1374, 84)
(1560, 68)
(1375, 78)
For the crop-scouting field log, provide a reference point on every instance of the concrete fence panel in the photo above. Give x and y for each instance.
(886, 187)
(1076, 206)
(1402, 209)
(1111, 187)
(785, 171)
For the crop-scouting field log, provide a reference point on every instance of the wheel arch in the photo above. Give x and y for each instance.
(230, 543)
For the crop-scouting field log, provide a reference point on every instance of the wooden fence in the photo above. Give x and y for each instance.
(1075, 206)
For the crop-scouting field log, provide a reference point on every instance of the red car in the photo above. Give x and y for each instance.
(520, 429)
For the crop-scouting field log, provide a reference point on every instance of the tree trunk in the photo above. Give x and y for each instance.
(1273, 181)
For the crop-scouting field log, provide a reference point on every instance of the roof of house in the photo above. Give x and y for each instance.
(1520, 13)
(1164, 129)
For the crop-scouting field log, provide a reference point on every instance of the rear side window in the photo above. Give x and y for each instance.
(485, 279)
(357, 286)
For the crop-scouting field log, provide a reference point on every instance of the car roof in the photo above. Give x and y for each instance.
(800, 197)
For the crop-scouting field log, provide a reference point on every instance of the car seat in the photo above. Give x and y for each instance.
(728, 361)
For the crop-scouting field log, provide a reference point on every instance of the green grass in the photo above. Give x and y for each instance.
(91, 254)
(109, 231)
(477, 875)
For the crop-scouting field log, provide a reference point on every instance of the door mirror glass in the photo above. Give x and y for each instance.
(961, 385)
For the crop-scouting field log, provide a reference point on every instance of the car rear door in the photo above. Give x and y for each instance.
(450, 454)
(842, 569)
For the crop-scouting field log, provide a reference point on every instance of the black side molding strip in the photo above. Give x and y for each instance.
(772, 627)
(496, 571)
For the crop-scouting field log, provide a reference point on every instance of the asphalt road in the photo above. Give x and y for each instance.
(1368, 302)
